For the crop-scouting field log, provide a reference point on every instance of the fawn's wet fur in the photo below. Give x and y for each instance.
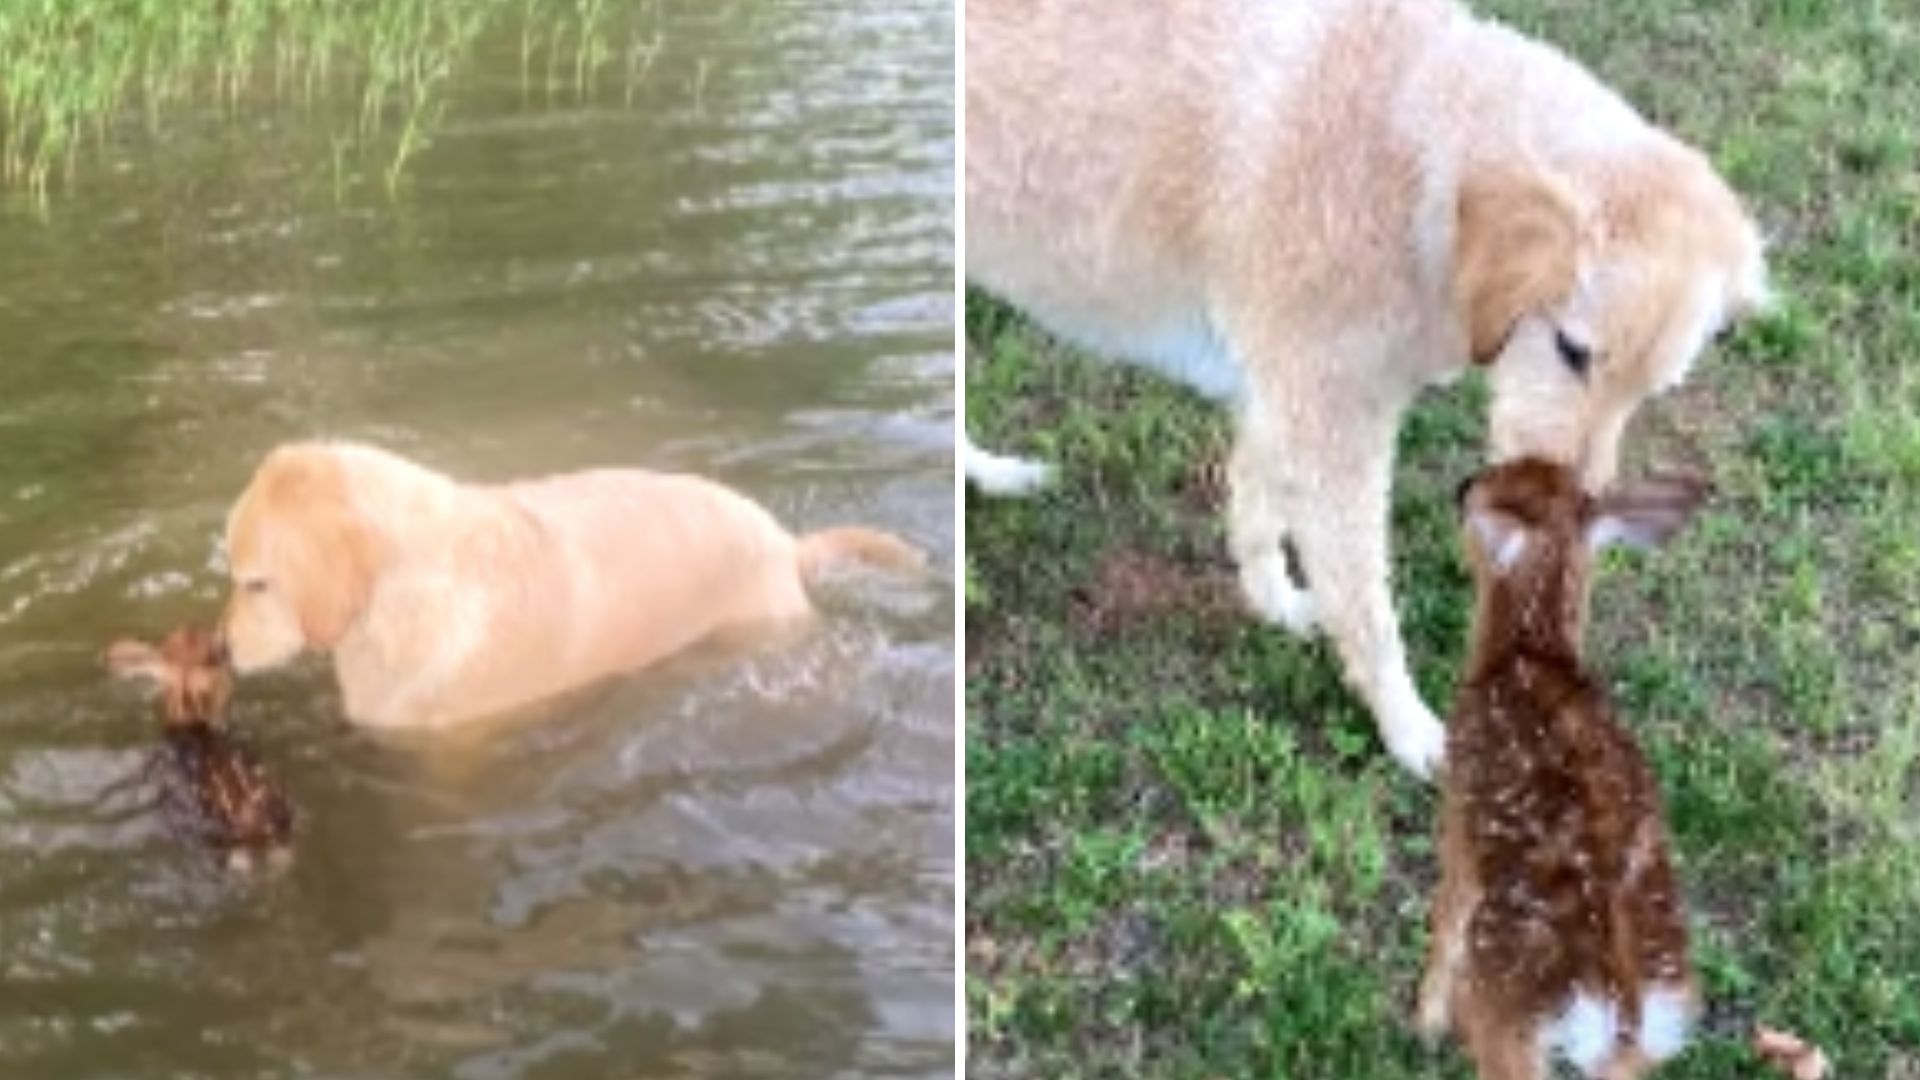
(1557, 922)
(211, 785)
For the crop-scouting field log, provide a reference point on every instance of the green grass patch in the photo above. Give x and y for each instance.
(70, 68)
(1188, 855)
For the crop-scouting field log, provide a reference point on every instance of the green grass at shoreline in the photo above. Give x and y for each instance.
(1187, 854)
(68, 68)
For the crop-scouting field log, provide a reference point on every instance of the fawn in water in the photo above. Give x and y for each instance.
(211, 786)
(1557, 922)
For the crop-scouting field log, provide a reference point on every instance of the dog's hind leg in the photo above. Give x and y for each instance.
(998, 474)
(1256, 530)
(1331, 466)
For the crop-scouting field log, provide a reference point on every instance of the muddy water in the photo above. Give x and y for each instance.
(736, 867)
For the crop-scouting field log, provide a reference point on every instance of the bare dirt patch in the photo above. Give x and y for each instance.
(1131, 586)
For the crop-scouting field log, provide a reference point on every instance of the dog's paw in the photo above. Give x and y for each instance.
(1275, 599)
(1006, 477)
(1415, 738)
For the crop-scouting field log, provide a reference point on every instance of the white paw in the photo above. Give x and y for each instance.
(1414, 737)
(1274, 597)
(997, 474)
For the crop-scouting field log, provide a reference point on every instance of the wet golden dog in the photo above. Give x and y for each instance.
(1312, 209)
(442, 601)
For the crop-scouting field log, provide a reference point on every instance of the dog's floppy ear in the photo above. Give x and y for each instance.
(327, 555)
(1515, 250)
(338, 581)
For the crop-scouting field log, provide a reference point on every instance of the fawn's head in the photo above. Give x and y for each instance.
(189, 667)
(1532, 533)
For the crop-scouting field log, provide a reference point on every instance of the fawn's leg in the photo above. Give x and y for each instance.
(1504, 1050)
(1628, 1063)
(1444, 952)
(1330, 466)
(1454, 899)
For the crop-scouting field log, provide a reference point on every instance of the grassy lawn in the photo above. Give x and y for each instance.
(1187, 854)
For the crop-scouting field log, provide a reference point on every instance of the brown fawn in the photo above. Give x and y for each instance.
(1557, 923)
(211, 786)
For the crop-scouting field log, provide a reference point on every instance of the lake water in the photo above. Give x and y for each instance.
(740, 867)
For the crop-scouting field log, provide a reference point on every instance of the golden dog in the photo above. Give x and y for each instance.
(442, 602)
(1311, 209)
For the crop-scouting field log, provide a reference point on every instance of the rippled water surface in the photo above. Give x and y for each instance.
(740, 866)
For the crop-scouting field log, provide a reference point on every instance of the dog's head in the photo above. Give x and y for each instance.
(302, 555)
(1582, 309)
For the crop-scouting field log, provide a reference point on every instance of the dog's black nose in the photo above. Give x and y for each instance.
(220, 648)
(1460, 493)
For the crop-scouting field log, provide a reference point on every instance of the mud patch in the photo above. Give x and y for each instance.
(1130, 587)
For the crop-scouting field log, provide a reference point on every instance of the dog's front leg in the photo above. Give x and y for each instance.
(1256, 528)
(1330, 466)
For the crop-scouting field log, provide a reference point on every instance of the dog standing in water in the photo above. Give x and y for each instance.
(441, 602)
(1557, 923)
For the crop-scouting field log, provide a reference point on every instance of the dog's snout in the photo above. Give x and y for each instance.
(219, 647)
(1460, 494)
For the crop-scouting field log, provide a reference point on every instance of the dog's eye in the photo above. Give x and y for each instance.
(255, 585)
(1576, 355)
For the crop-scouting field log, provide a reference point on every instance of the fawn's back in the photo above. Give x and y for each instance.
(1579, 923)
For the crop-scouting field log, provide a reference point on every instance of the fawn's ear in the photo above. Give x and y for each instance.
(137, 660)
(1646, 513)
(1501, 536)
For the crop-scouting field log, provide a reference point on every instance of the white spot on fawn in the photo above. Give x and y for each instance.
(1584, 1032)
(1665, 1015)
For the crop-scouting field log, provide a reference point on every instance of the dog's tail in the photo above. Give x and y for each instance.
(999, 475)
(819, 550)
